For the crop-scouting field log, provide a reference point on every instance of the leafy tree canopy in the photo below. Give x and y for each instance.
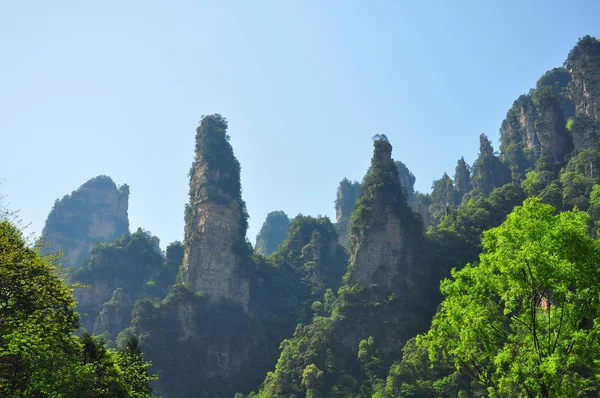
(522, 320)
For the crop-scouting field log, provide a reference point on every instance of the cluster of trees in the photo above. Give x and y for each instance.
(39, 354)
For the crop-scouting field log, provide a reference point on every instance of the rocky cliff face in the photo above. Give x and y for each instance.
(124, 265)
(519, 125)
(550, 127)
(535, 124)
(215, 222)
(584, 66)
(584, 90)
(96, 212)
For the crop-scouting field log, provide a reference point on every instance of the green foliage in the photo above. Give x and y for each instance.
(215, 162)
(39, 355)
(130, 268)
(584, 58)
(521, 321)
(312, 260)
(558, 80)
(457, 239)
(215, 177)
(543, 97)
(442, 197)
(578, 178)
(132, 260)
(185, 352)
(532, 184)
(416, 376)
(380, 187)
(135, 372)
(37, 318)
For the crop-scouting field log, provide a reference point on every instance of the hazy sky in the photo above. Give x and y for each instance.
(118, 88)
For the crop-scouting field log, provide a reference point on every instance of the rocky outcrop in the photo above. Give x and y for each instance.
(519, 126)
(380, 224)
(462, 179)
(489, 171)
(90, 300)
(584, 90)
(347, 194)
(96, 212)
(584, 66)
(407, 180)
(133, 265)
(550, 124)
(273, 231)
(115, 315)
(312, 255)
(535, 125)
(385, 298)
(216, 250)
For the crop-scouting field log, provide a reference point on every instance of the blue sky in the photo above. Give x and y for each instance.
(118, 88)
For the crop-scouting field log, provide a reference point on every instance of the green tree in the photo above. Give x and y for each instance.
(37, 318)
(523, 321)
(39, 355)
(135, 369)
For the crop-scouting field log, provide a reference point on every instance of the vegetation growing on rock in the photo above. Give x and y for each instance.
(272, 233)
(94, 213)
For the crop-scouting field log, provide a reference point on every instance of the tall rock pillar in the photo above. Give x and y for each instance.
(215, 218)
(383, 226)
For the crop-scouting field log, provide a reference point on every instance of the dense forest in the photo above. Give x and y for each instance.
(485, 286)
